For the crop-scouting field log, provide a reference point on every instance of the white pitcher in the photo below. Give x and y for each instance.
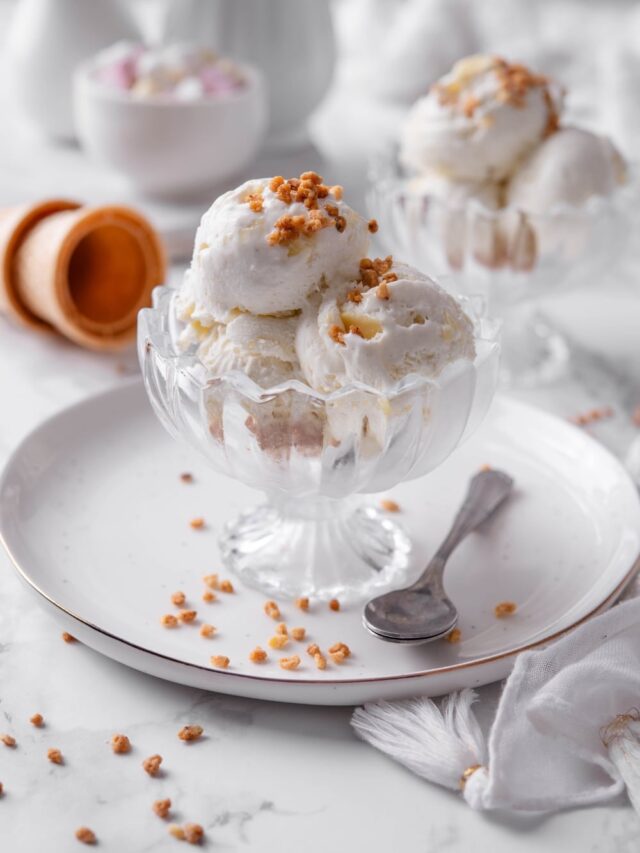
(47, 40)
(290, 40)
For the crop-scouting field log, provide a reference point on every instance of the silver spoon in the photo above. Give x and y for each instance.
(422, 612)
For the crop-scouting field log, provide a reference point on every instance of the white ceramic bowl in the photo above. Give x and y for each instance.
(168, 148)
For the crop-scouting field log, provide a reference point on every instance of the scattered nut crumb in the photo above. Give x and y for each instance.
(1, 789)
(86, 835)
(334, 604)
(226, 586)
(635, 417)
(454, 636)
(372, 225)
(178, 598)
(313, 649)
(340, 647)
(281, 628)
(68, 638)
(272, 609)
(207, 630)
(336, 333)
(169, 620)
(221, 661)
(320, 661)
(279, 641)
(337, 192)
(484, 468)
(188, 615)
(193, 833)
(302, 603)
(505, 608)
(37, 720)
(292, 662)
(389, 506)
(338, 657)
(592, 416)
(190, 732)
(55, 756)
(8, 740)
(162, 807)
(197, 523)
(211, 581)
(152, 764)
(258, 655)
(120, 744)
(208, 596)
(177, 831)
(186, 477)
(298, 634)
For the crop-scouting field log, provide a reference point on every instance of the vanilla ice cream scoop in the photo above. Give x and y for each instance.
(266, 246)
(263, 348)
(479, 120)
(391, 322)
(566, 169)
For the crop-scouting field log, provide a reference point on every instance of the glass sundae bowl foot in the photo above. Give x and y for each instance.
(318, 547)
(533, 352)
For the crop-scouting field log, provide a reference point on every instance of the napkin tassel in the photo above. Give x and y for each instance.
(622, 739)
(442, 744)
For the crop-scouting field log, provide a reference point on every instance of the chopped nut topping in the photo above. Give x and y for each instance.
(382, 290)
(258, 655)
(255, 201)
(302, 603)
(1, 789)
(169, 621)
(226, 586)
(469, 106)
(320, 661)
(178, 598)
(189, 733)
(336, 334)
(505, 608)
(373, 226)
(355, 330)
(120, 744)
(307, 189)
(337, 192)
(211, 581)
(389, 277)
(86, 835)
(68, 638)
(197, 523)
(454, 636)
(354, 296)
(272, 609)
(334, 604)
(8, 740)
(188, 615)
(279, 641)
(313, 649)
(207, 630)
(37, 720)
(177, 832)
(162, 807)
(340, 647)
(220, 661)
(193, 833)
(152, 764)
(338, 657)
(208, 596)
(281, 628)
(292, 662)
(389, 506)
(55, 756)
(298, 634)
(186, 477)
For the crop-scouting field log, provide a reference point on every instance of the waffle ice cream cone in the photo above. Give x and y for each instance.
(83, 271)
(15, 224)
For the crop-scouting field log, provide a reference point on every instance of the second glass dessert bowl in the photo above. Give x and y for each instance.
(314, 455)
(514, 259)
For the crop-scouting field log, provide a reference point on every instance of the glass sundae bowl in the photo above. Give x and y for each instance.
(512, 258)
(315, 455)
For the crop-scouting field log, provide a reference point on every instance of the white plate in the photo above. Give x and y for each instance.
(96, 520)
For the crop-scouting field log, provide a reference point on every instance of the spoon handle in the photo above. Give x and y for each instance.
(487, 491)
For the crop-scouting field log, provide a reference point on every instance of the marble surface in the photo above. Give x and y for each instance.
(266, 776)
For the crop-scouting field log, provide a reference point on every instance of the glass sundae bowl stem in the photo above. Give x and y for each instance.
(319, 547)
(533, 352)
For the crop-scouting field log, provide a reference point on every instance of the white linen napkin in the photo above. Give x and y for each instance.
(566, 732)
